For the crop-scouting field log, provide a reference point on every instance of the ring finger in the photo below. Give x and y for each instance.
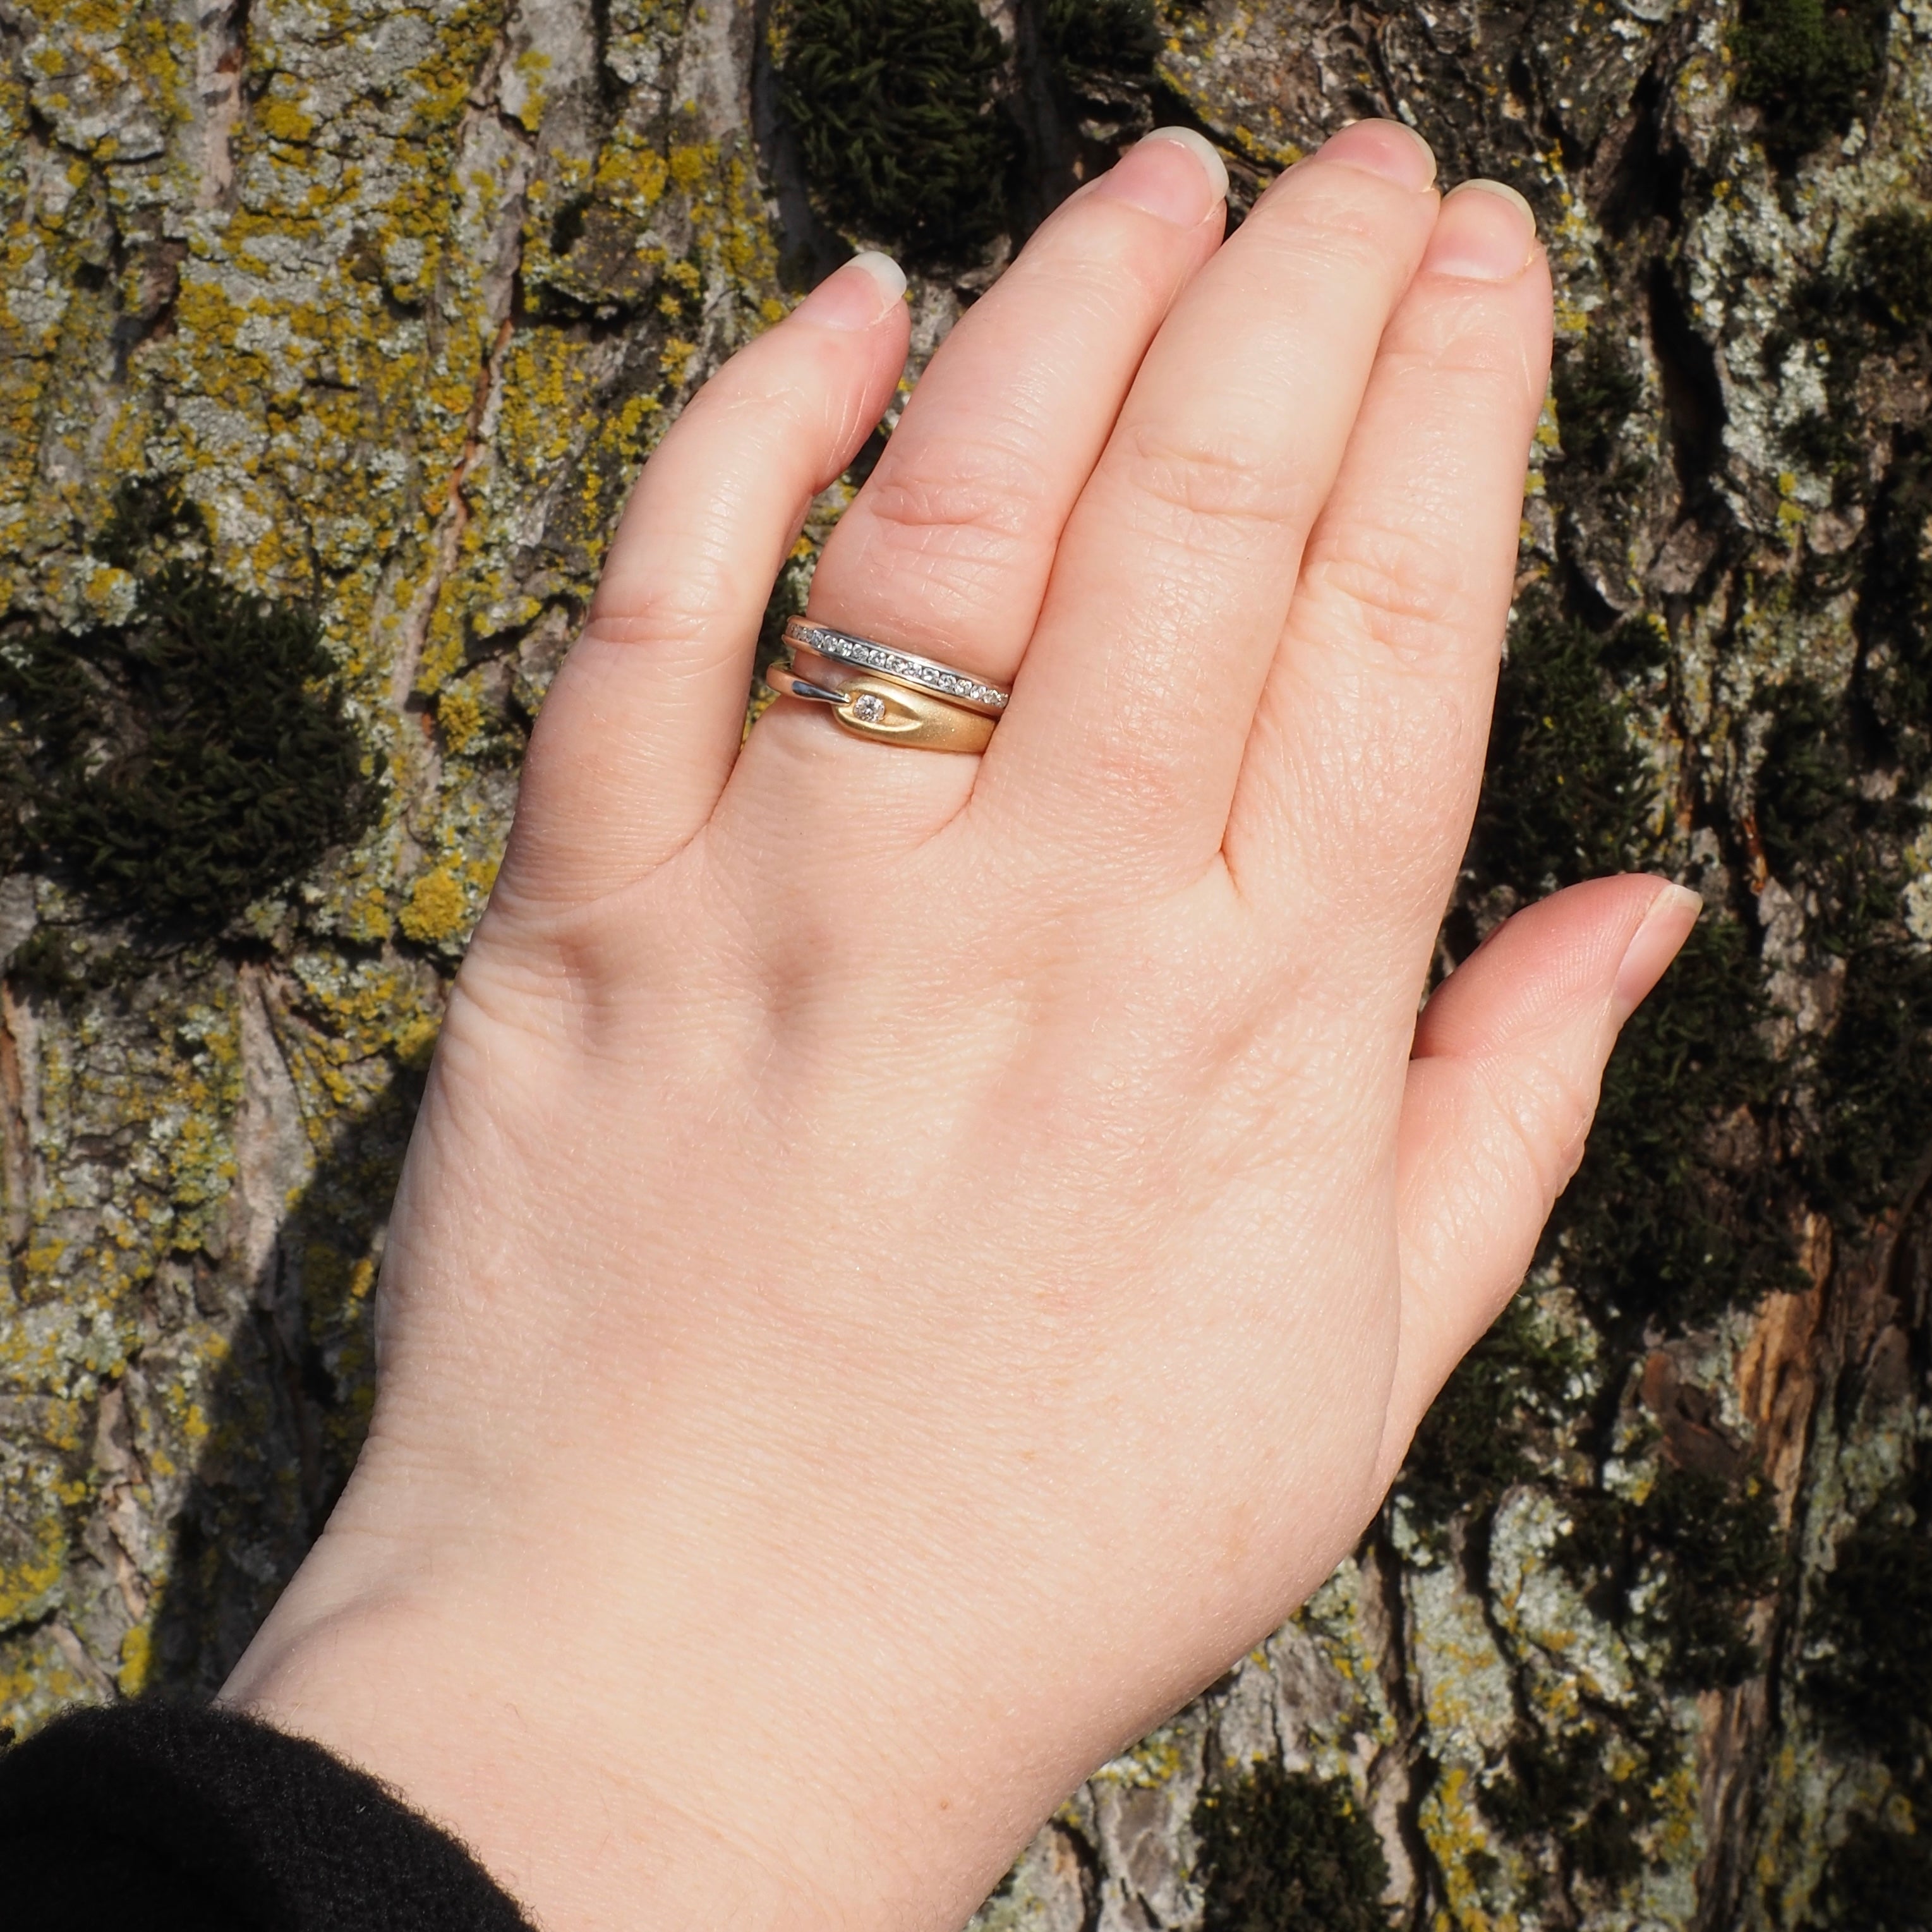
(946, 550)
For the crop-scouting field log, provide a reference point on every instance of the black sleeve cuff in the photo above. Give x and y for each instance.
(149, 1817)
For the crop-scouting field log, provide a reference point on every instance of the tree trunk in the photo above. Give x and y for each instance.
(333, 333)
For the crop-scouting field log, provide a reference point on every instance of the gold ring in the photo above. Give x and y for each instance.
(873, 705)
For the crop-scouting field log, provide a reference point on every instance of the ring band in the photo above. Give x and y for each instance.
(955, 687)
(870, 705)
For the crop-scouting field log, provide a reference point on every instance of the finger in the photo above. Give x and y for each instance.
(946, 550)
(1174, 576)
(1361, 772)
(1509, 1055)
(641, 727)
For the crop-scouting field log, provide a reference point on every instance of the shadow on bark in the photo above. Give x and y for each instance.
(288, 1407)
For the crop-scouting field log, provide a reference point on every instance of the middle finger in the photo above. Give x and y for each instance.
(1178, 565)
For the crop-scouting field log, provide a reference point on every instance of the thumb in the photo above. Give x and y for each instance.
(1502, 1085)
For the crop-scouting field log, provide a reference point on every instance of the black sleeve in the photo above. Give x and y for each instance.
(153, 1817)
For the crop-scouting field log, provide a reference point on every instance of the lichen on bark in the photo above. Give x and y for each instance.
(393, 298)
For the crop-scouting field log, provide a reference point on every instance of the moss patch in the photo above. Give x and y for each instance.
(1879, 1880)
(179, 766)
(1713, 1549)
(1597, 392)
(1891, 271)
(1873, 1619)
(1872, 1686)
(1836, 806)
(1588, 1791)
(893, 104)
(1892, 687)
(1284, 1851)
(1566, 794)
(1475, 1441)
(1675, 1212)
(1104, 41)
(1880, 304)
(1811, 67)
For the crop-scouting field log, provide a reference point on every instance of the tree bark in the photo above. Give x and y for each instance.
(365, 314)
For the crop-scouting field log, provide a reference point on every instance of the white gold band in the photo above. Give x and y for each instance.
(956, 687)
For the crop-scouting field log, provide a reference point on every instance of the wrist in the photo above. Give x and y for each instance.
(632, 1777)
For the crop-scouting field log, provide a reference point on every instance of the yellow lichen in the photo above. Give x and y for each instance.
(438, 908)
(460, 712)
(137, 1656)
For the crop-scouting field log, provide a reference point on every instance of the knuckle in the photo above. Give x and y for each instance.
(1408, 589)
(1457, 373)
(1134, 774)
(673, 611)
(974, 497)
(756, 399)
(1329, 220)
(1460, 341)
(1543, 1109)
(1212, 487)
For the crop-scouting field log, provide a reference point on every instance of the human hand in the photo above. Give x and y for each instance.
(909, 1264)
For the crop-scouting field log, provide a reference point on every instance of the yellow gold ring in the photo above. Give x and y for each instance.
(872, 706)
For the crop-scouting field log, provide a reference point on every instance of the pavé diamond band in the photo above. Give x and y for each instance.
(956, 687)
(870, 705)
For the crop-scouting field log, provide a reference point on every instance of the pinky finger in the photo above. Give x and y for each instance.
(1502, 1087)
(641, 727)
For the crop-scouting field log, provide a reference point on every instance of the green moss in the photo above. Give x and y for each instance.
(179, 766)
(1871, 1625)
(1716, 1550)
(1476, 1439)
(1103, 40)
(1697, 1553)
(1284, 1851)
(1835, 808)
(1881, 303)
(1805, 800)
(1596, 392)
(1879, 1879)
(1874, 1071)
(1667, 1221)
(1891, 271)
(1893, 685)
(1566, 794)
(1828, 443)
(1811, 67)
(1561, 1788)
(1872, 1618)
(893, 104)
(63, 963)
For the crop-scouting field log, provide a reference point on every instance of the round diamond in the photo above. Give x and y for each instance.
(868, 709)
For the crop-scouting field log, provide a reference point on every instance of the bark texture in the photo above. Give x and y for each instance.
(331, 333)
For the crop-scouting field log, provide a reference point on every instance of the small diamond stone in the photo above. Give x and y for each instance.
(867, 708)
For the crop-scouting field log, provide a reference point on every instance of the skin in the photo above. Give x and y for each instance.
(909, 1264)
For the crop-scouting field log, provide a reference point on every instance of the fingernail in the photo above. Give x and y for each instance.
(1657, 942)
(856, 295)
(1386, 148)
(1174, 173)
(1486, 233)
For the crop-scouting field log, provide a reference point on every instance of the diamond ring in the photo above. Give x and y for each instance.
(956, 687)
